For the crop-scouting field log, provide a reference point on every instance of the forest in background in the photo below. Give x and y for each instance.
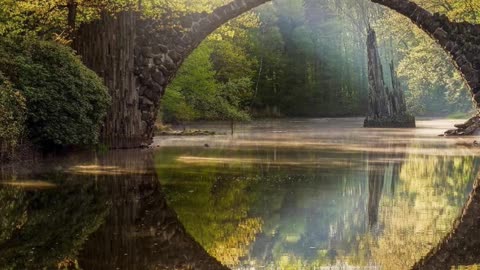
(307, 58)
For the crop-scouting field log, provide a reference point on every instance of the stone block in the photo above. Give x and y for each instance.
(147, 52)
(141, 90)
(149, 94)
(158, 60)
(157, 49)
(441, 36)
(174, 56)
(158, 77)
(461, 60)
(157, 89)
(476, 97)
(476, 90)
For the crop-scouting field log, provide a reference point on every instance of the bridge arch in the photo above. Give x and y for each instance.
(138, 57)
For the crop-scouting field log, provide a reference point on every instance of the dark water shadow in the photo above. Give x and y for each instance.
(107, 214)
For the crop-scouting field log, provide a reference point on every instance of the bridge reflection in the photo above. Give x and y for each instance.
(109, 214)
(112, 214)
(461, 247)
(141, 231)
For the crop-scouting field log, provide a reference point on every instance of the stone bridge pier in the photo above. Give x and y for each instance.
(139, 57)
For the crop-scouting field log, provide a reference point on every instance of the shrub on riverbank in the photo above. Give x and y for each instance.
(12, 117)
(66, 102)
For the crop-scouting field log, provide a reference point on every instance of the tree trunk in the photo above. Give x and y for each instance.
(71, 17)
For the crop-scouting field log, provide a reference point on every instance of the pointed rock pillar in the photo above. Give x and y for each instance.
(386, 107)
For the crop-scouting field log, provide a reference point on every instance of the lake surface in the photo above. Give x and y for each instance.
(278, 194)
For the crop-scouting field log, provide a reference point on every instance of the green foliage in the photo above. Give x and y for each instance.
(197, 94)
(66, 102)
(310, 64)
(308, 58)
(40, 228)
(49, 18)
(230, 60)
(236, 93)
(433, 85)
(12, 116)
(301, 57)
(175, 108)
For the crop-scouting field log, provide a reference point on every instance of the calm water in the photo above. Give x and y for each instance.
(289, 194)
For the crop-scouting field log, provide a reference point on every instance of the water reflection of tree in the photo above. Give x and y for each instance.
(212, 205)
(428, 197)
(315, 216)
(142, 232)
(460, 249)
(376, 179)
(277, 196)
(42, 228)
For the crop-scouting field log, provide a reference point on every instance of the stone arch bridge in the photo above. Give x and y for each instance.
(139, 57)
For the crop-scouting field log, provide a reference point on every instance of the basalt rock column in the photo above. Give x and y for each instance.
(138, 57)
(107, 47)
(386, 107)
(461, 40)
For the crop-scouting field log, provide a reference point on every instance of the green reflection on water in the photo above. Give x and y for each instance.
(45, 228)
(262, 207)
(428, 198)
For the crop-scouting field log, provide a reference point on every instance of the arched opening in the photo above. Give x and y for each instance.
(323, 52)
(160, 53)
